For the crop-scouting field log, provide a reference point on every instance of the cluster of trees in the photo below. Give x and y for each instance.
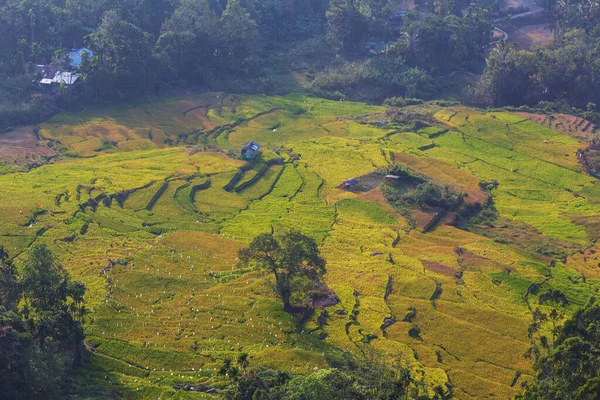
(441, 42)
(142, 47)
(414, 189)
(354, 379)
(565, 73)
(41, 334)
(434, 39)
(568, 365)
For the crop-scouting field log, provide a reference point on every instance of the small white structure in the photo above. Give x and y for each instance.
(67, 78)
(51, 75)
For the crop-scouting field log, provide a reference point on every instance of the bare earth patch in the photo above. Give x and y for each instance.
(439, 268)
(526, 35)
(571, 125)
(20, 147)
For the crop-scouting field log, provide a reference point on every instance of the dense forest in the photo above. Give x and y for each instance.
(147, 47)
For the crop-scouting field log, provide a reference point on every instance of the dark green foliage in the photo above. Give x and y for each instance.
(358, 79)
(432, 195)
(41, 337)
(571, 367)
(146, 47)
(347, 25)
(565, 72)
(294, 261)
(441, 44)
(356, 379)
(555, 296)
(415, 190)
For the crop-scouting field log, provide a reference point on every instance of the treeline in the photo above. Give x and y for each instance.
(567, 357)
(564, 74)
(41, 333)
(143, 47)
(354, 378)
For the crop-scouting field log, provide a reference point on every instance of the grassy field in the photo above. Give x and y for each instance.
(136, 208)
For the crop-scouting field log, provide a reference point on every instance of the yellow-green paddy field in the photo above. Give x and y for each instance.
(142, 206)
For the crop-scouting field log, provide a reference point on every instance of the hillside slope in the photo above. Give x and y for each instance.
(136, 207)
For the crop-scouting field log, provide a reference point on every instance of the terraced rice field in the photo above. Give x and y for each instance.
(136, 207)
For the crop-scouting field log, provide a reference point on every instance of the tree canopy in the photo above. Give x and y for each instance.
(570, 369)
(292, 258)
(41, 334)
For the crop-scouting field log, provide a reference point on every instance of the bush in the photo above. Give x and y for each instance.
(402, 102)
(432, 195)
(378, 75)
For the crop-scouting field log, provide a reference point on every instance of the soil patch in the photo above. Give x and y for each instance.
(20, 147)
(526, 35)
(439, 268)
(364, 183)
(571, 125)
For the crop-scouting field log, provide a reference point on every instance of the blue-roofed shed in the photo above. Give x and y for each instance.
(350, 182)
(250, 150)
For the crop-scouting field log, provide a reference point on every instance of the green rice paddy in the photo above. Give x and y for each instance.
(137, 209)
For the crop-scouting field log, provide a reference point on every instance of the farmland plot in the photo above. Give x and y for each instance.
(146, 205)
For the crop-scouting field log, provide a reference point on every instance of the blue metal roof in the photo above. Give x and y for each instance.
(76, 56)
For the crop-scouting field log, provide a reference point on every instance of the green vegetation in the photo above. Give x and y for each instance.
(555, 77)
(353, 379)
(293, 259)
(358, 49)
(445, 230)
(568, 366)
(155, 237)
(41, 335)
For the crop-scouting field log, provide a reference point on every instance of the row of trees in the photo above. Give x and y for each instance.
(568, 72)
(142, 47)
(565, 73)
(362, 378)
(41, 334)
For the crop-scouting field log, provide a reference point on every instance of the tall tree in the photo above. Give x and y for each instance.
(347, 26)
(571, 367)
(125, 51)
(238, 38)
(41, 334)
(292, 258)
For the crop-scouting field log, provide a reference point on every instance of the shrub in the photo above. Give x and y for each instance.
(432, 195)
(402, 102)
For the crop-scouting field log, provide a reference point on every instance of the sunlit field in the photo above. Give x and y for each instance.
(144, 207)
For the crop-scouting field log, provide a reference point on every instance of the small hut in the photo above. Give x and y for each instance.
(250, 150)
(350, 183)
